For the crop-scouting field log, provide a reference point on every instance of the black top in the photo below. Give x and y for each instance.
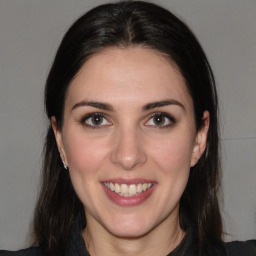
(187, 247)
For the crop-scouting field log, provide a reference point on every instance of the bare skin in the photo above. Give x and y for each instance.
(129, 121)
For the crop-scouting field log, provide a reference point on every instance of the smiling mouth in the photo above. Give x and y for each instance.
(128, 190)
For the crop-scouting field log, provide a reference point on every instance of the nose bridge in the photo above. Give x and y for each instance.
(128, 151)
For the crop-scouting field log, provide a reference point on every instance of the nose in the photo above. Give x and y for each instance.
(128, 152)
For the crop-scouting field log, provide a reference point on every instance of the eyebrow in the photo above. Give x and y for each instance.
(108, 107)
(95, 104)
(162, 103)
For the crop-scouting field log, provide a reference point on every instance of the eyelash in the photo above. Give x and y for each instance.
(91, 115)
(171, 120)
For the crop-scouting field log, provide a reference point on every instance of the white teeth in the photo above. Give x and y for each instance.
(139, 188)
(124, 189)
(128, 190)
(111, 186)
(117, 188)
(144, 186)
(132, 189)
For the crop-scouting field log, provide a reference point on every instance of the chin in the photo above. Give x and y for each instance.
(130, 232)
(130, 227)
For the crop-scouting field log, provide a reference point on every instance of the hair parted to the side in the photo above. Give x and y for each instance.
(128, 24)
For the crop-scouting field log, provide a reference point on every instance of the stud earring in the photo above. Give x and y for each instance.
(65, 167)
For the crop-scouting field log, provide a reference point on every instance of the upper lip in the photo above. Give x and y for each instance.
(128, 181)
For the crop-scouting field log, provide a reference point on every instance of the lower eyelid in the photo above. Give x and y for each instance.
(170, 118)
(84, 121)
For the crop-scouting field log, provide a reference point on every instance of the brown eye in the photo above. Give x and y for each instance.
(160, 120)
(95, 120)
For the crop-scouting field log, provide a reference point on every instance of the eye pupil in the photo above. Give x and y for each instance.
(159, 120)
(97, 120)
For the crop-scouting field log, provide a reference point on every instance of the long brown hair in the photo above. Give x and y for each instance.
(123, 24)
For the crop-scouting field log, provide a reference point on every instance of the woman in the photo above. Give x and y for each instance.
(131, 161)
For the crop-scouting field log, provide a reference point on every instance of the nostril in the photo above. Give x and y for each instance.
(128, 161)
(127, 151)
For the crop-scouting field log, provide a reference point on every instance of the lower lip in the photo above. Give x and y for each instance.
(128, 201)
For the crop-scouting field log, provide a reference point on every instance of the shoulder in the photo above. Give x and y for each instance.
(238, 248)
(33, 251)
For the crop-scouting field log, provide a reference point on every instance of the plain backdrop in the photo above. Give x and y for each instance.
(30, 32)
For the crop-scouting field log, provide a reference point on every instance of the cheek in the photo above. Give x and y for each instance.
(84, 154)
(85, 159)
(173, 155)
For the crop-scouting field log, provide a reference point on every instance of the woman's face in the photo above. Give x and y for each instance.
(129, 140)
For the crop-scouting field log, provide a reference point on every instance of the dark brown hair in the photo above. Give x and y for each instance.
(124, 24)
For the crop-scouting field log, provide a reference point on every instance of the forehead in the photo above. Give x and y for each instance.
(134, 73)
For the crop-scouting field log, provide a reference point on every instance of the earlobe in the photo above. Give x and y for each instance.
(201, 139)
(59, 141)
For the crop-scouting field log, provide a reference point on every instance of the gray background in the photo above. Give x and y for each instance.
(30, 32)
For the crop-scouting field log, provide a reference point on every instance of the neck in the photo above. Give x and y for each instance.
(163, 239)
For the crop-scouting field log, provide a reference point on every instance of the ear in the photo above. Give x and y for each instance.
(201, 140)
(58, 138)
